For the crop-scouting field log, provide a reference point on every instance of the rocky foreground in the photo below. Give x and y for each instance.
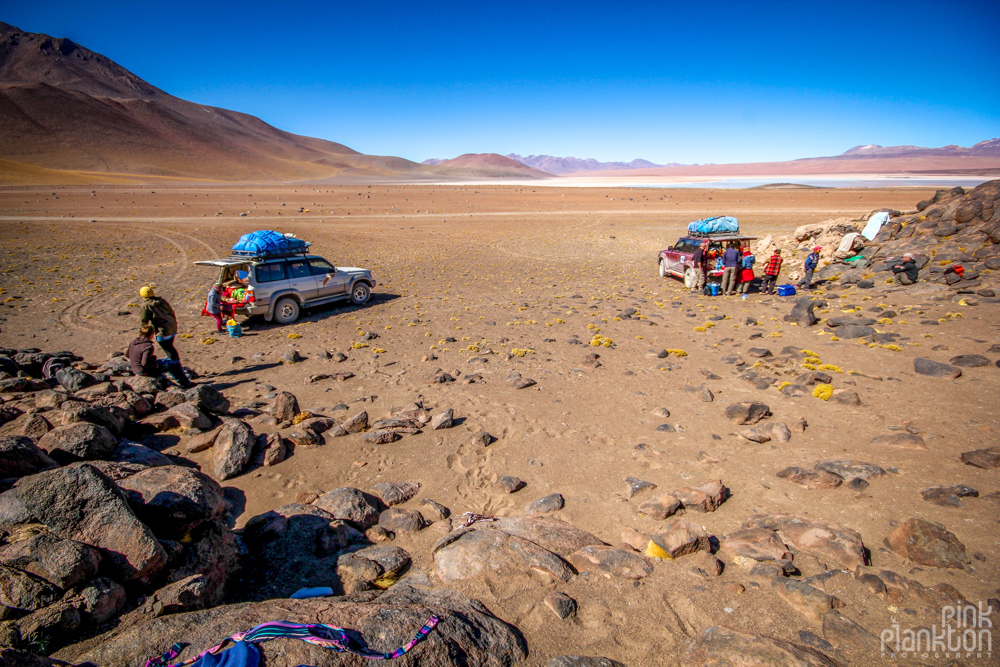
(124, 522)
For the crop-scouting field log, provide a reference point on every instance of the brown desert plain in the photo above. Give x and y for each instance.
(490, 283)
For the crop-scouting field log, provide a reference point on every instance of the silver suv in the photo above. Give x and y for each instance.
(283, 286)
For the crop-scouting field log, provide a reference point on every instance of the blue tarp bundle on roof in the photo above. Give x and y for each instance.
(720, 223)
(268, 242)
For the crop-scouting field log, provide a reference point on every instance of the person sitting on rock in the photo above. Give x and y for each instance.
(906, 271)
(144, 361)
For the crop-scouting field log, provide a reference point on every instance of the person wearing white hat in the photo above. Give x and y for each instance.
(906, 272)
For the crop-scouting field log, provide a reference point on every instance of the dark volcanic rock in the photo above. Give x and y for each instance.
(970, 360)
(802, 312)
(983, 458)
(550, 503)
(924, 366)
(394, 493)
(207, 399)
(747, 413)
(233, 449)
(350, 504)
(174, 500)
(79, 503)
(63, 563)
(81, 441)
(386, 621)
(948, 496)
(19, 457)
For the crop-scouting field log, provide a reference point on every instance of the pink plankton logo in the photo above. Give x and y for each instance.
(965, 631)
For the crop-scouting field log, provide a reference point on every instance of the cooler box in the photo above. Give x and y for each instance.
(786, 290)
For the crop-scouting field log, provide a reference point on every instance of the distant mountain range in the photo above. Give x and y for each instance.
(552, 165)
(989, 147)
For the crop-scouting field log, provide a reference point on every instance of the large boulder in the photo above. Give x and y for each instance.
(466, 634)
(233, 449)
(292, 547)
(174, 500)
(25, 592)
(74, 380)
(353, 505)
(81, 441)
(212, 552)
(61, 562)
(19, 457)
(471, 552)
(111, 418)
(207, 399)
(78, 502)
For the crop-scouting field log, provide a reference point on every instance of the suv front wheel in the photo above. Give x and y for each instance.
(360, 293)
(286, 311)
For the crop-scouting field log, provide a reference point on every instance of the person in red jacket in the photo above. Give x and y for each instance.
(144, 361)
(771, 271)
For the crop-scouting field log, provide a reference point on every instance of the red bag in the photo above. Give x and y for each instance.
(204, 310)
(959, 269)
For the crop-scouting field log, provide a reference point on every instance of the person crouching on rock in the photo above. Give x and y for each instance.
(906, 271)
(144, 361)
(156, 311)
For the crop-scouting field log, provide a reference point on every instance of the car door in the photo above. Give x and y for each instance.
(301, 279)
(329, 282)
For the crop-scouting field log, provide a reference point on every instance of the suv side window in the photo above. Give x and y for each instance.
(298, 268)
(685, 245)
(321, 267)
(268, 273)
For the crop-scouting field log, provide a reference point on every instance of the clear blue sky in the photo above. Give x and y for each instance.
(666, 81)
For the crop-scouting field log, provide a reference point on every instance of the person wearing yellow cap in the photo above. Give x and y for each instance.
(156, 311)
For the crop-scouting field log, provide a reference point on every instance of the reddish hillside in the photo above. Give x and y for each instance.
(491, 165)
(64, 108)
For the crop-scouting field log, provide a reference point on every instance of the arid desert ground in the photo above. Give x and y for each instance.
(468, 274)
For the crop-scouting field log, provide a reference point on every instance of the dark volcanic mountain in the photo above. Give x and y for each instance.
(68, 114)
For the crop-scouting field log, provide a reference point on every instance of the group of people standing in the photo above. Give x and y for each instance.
(737, 270)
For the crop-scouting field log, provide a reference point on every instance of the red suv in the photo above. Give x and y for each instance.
(676, 260)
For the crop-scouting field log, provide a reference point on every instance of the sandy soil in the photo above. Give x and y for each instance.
(529, 267)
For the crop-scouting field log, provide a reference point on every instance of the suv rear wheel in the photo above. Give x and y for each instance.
(360, 293)
(689, 277)
(286, 311)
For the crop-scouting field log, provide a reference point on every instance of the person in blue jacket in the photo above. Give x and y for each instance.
(812, 261)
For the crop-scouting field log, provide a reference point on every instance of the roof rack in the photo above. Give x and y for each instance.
(710, 235)
(250, 256)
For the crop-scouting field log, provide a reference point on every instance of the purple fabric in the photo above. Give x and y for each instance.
(731, 258)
